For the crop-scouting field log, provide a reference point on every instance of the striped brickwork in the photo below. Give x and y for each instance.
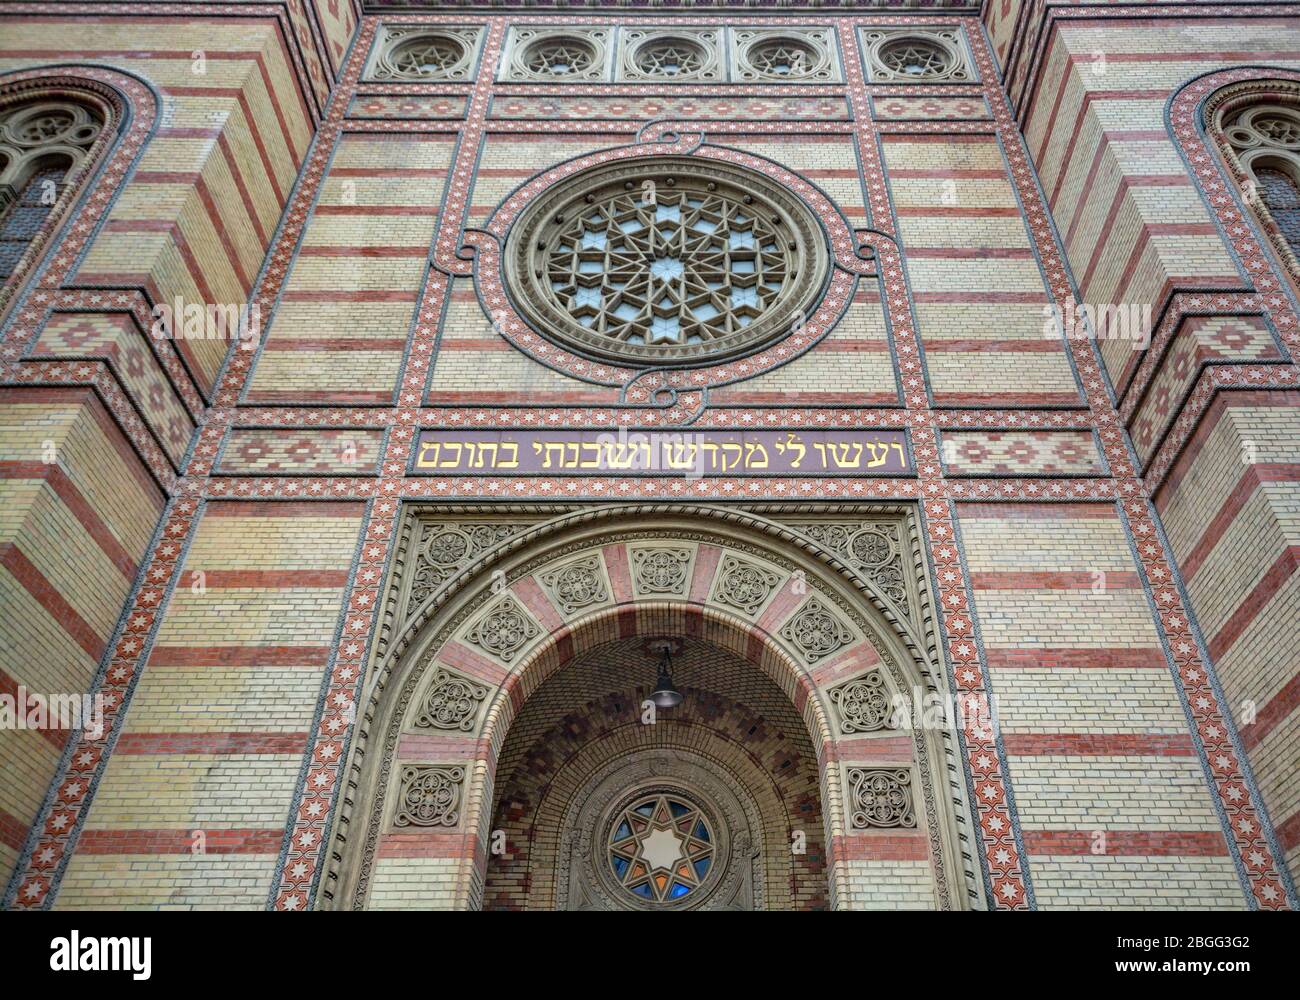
(1115, 572)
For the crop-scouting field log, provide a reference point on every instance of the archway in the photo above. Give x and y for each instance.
(815, 629)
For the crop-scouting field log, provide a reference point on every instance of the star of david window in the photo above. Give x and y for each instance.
(670, 57)
(783, 57)
(559, 57)
(666, 260)
(661, 848)
(915, 57)
(434, 57)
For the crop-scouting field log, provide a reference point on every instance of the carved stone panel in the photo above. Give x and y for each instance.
(744, 585)
(880, 798)
(441, 549)
(863, 704)
(504, 630)
(451, 703)
(661, 571)
(874, 549)
(577, 585)
(429, 795)
(816, 631)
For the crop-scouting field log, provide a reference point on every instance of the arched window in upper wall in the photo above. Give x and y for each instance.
(45, 142)
(1257, 126)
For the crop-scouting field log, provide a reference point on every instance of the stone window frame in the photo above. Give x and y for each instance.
(1219, 114)
(531, 233)
(521, 39)
(389, 37)
(827, 69)
(710, 39)
(85, 159)
(952, 39)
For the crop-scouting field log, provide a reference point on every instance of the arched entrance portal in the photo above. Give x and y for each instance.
(502, 759)
(605, 803)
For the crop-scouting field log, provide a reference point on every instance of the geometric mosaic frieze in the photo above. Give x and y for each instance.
(568, 54)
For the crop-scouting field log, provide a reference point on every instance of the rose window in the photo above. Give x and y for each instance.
(559, 57)
(661, 848)
(915, 57)
(783, 57)
(666, 260)
(427, 57)
(670, 57)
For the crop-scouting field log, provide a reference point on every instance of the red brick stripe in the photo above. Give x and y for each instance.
(1279, 707)
(35, 583)
(211, 743)
(1024, 580)
(880, 847)
(245, 840)
(239, 656)
(273, 579)
(1117, 658)
(1251, 479)
(13, 832)
(78, 506)
(1128, 843)
(1098, 744)
(55, 737)
(1272, 581)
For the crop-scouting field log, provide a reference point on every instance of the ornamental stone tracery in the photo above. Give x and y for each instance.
(803, 55)
(503, 631)
(816, 631)
(452, 703)
(43, 142)
(429, 795)
(880, 798)
(863, 704)
(548, 55)
(1263, 136)
(415, 53)
(666, 56)
(666, 260)
(910, 55)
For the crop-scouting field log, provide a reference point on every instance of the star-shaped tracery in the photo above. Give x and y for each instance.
(783, 57)
(670, 57)
(915, 57)
(661, 848)
(560, 57)
(667, 266)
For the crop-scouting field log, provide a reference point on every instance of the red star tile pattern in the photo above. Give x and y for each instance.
(454, 256)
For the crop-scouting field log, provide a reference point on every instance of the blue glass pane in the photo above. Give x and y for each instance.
(645, 809)
(621, 866)
(623, 832)
(678, 809)
(701, 867)
(701, 832)
(644, 890)
(678, 891)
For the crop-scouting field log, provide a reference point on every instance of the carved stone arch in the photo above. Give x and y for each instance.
(99, 107)
(496, 620)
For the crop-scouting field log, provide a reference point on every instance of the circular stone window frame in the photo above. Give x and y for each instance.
(720, 839)
(959, 68)
(383, 68)
(707, 41)
(532, 232)
(825, 68)
(522, 41)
